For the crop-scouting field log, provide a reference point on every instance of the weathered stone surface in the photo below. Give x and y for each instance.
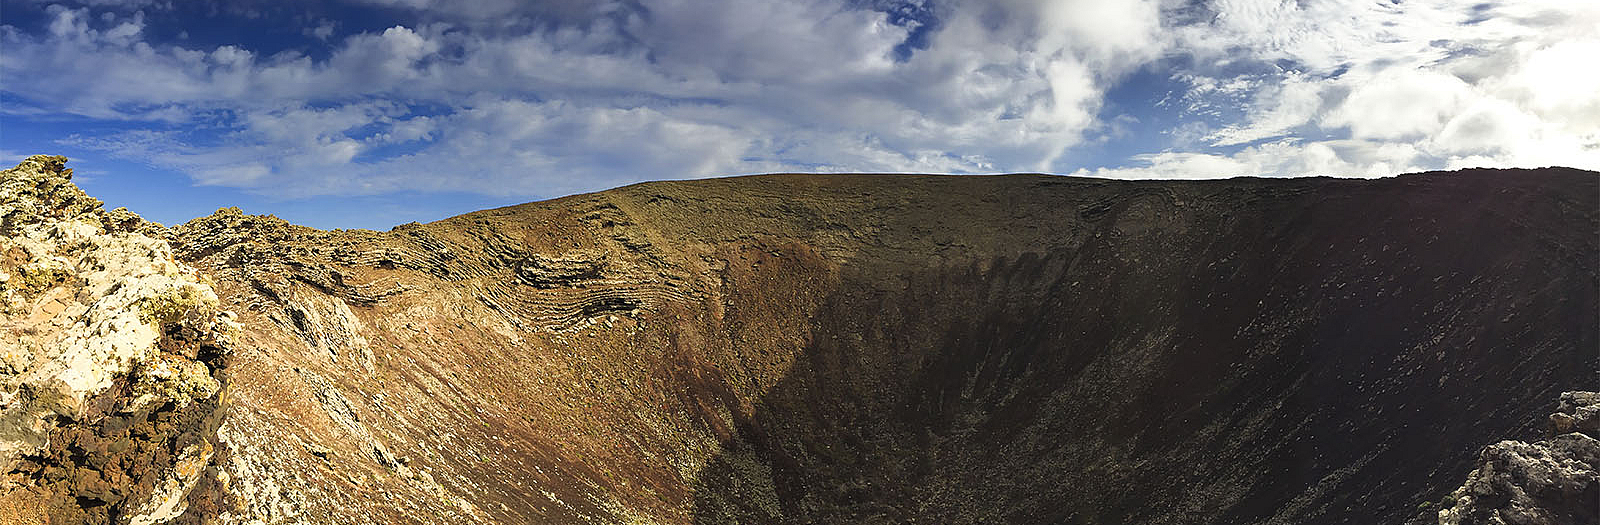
(111, 355)
(553, 272)
(1577, 412)
(1554, 481)
(40, 190)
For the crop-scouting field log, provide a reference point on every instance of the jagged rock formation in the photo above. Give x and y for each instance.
(892, 349)
(1549, 482)
(110, 361)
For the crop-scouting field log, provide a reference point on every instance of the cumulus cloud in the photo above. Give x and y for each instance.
(697, 89)
(542, 98)
(1399, 103)
(1436, 84)
(1276, 110)
(1343, 158)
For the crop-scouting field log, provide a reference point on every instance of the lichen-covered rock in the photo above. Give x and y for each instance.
(110, 359)
(38, 190)
(269, 253)
(1551, 482)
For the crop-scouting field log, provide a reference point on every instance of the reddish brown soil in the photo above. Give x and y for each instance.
(917, 349)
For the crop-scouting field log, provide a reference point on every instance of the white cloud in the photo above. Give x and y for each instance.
(322, 31)
(11, 158)
(701, 89)
(1343, 158)
(117, 4)
(1276, 110)
(1435, 83)
(1399, 103)
(598, 93)
(1487, 127)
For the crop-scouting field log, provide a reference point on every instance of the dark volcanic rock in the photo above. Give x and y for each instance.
(1578, 412)
(906, 349)
(1184, 353)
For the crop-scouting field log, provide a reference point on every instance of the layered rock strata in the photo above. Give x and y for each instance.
(801, 349)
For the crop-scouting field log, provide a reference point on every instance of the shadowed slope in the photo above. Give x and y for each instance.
(899, 349)
(1309, 351)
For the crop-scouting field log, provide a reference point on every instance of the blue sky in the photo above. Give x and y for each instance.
(371, 113)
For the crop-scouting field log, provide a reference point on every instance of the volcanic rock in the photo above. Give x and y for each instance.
(110, 384)
(1549, 482)
(815, 349)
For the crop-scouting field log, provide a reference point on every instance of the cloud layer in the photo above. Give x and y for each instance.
(504, 98)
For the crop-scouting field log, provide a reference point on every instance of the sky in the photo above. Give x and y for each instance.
(372, 113)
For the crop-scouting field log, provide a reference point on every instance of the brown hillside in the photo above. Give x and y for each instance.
(903, 349)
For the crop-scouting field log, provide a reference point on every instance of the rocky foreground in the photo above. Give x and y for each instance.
(1548, 482)
(110, 362)
(816, 349)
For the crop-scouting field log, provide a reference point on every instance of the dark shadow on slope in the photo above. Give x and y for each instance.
(1273, 352)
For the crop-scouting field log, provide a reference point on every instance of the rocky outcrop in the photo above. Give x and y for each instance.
(1554, 481)
(802, 349)
(111, 357)
(555, 272)
(269, 254)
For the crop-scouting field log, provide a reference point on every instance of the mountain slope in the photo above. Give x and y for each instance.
(897, 348)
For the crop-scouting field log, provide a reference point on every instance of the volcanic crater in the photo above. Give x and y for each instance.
(1022, 349)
